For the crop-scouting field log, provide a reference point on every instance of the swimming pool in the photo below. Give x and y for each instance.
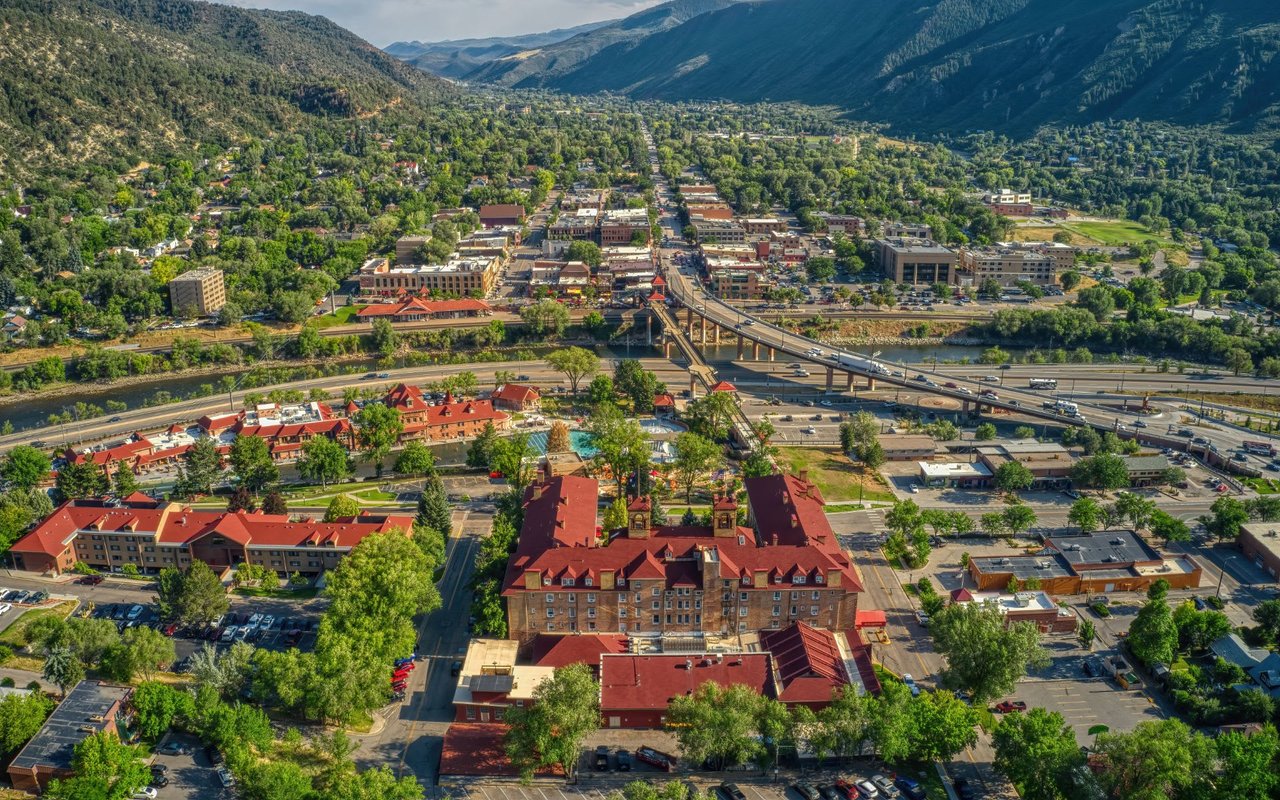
(579, 441)
(652, 425)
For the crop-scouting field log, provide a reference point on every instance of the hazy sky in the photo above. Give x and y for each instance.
(385, 21)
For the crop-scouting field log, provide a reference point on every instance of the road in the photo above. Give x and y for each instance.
(412, 732)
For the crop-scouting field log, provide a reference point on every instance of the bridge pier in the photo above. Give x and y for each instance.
(702, 330)
(715, 334)
(688, 323)
(741, 342)
(666, 349)
(693, 386)
(772, 353)
(831, 377)
(755, 351)
(648, 329)
(849, 384)
(965, 406)
(871, 384)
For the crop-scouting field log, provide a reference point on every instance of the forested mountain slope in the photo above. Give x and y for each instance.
(1009, 65)
(84, 80)
(543, 66)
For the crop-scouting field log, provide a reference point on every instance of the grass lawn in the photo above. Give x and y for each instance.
(1044, 233)
(837, 477)
(1263, 485)
(340, 317)
(12, 635)
(305, 593)
(1115, 233)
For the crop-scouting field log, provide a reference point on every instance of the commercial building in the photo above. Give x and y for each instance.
(718, 231)
(200, 292)
(1144, 470)
(502, 215)
(1260, 543)
(907, 230)
(907, 446)
(763, 225)
(90, 707)
(441, 421)
(916, 261)
(1106, 562)
(516, 397)
(470, 276)
(730, 279)
(106, 534)
(419, 308)
(490, 681)
(620, 226)
(1007, 266)
(785, 566)
(407, 248)
(1035, 607)
(954, 474)
(1049, 462)
(845, 224)
(580, 225)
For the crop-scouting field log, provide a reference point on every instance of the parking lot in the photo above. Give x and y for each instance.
(191, 775)
(1085, 702)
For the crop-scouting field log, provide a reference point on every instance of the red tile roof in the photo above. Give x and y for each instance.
(175, 524)
(664, 400)
(515, 393)
(550, 650)
(724, 386)
(630, 683)
(559, 542)
(807, 661)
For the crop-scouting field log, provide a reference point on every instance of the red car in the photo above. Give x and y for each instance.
(1009, 706)
(91, 580)
(170, 629)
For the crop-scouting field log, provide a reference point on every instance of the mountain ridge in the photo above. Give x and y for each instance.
(956, 65)
(456, 58)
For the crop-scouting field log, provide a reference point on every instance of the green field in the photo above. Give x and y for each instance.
(837, 477)
(1114, 233)
(340, 317)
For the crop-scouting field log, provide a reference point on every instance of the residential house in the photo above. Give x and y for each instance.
(516, 397)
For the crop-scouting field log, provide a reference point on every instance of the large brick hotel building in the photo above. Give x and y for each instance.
(784, 566)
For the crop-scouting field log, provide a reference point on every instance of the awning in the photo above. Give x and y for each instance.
(873, 618)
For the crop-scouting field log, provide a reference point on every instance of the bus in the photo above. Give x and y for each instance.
(1044, 383)
(1259, 448)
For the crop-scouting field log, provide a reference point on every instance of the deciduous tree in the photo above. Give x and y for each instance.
(575, 363)
(549, 731)
(695, 457)
(1037, 751)
(984, 656)
(324, 460)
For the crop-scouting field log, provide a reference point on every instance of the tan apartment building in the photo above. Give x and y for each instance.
(762, 225)
(201, 292)
(719, 231)
(461, 276)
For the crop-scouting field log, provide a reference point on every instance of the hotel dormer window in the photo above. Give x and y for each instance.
(566, 581)
(797, 579)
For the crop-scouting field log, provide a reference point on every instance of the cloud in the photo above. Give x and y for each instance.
(384, 21)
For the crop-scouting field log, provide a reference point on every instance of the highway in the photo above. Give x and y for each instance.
(969, 385)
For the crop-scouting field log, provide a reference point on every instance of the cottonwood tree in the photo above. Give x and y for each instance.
(343, 505)
(1153, 637)
(21, 717)
(102, 767)
(513, 458)
(1037, 751)
(1156, 760)
(695, 457)
(940, 726)
(984, 656)
(622, 444)
(194, 596)
(718, 724)
(378, 428)
(575, 363)
(252, 463)
(324, 461)
(549, 731)
(25, 467)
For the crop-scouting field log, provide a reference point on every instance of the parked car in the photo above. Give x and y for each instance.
(602, 758)
(225, 777)
(911, 684)
(828, 792)
(885, 786)
(135, 612)
(173, 748)
(455, 669)
(214, 755)
(731, 791)
(656, 758)
(91, 580)
(623, 757)
(806, 790)
(159, 781)
(1009, 706)
(910, 788)
(868, 790)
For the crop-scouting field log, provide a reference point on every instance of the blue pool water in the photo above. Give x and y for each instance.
(580, 441)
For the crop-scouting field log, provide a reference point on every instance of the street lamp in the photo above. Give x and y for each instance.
(1222, 574)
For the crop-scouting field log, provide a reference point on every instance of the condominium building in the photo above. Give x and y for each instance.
(200, 292)
(1010, 263)
(721, 231)
(459, 276)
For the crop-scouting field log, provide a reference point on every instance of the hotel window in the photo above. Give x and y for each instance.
(622, 613)
(471, 713)
(777, 611)
(817, 579)
(295, 563)
(797, 579)
(551, 598)
(742, 597)
(566, 581)
(587, 581)
(591, 613)
(573, 598)
(551, 626)
(813, 611)
(656, 605)
(777, 596)
(657, 619)
(814, 596)
(742, 612)
(639, 597)
(657, 592)
(551, 613)
(591, 597)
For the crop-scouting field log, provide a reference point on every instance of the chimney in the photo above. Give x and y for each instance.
(537, 492)
(833, 578)
(804, 476)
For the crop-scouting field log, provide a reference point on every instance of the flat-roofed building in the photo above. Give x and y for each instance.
(907, 230)
(1107, 561)
(620, 226)
(1145, 470)
(90, 707)
(1036, 607)
(407, 248)
(955, 474)
(461, 276)
(1260, 543)
(907, 446)
(846, 224)
(490, 681)
(503, 214)
(1007, 266)
(199, 292)
(1049, 462)
(917, 261)
(760, 225)
(719, 231)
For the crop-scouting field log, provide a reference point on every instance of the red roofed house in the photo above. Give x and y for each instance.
(438, 422)
(636, 690)
(811, 664)
(516, 397)
(497, 216)
(786, 566)
(563, 649)
(417, 308)
(107, 534)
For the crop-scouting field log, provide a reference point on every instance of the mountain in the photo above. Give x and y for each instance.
(457, 58)
(544, 65)
(953, 65)
(91, 80)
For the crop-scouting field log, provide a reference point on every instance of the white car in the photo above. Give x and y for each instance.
(254, 620)
(135, 612)
(915, 488)
(826, 403)
(267, 622)
(146, 793)
(911, 684)
(810, 430)
(5, 608)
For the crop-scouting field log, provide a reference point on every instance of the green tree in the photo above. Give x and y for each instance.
(601, 390)
(545, 318)
(1248, 764)
(480, 453)
(1227, 516)
(1155, 761)
(1019, 518)
(1086, 633)
(550, 730)
(717, 723)
(1102, 471)
(385, 339)
(984, 656)
(695, 457)
(985, 433)
(1085, 514)
(1013, 476)
(252, 463)
(1238, 360)
(513, 457)
(634, 381)
(140, 650)
(25, 467)
(844, 725)
(378, 428)
(21, 716)
(1153, 638)
(615, 514)
(575, 363)
(712, 416)
(63, 668)
(1198, 629)
(622, 444)
(1136, 509)
(76, 481)
(415, 460)
(124, 482)
(1168, 527)
(940, 726)
(433, 507)
(324, 460)
(586, 252)
(202, 468)
(1267, 615)
(103, 767)
(343, 505)
(157, 705)
(1037, 751)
